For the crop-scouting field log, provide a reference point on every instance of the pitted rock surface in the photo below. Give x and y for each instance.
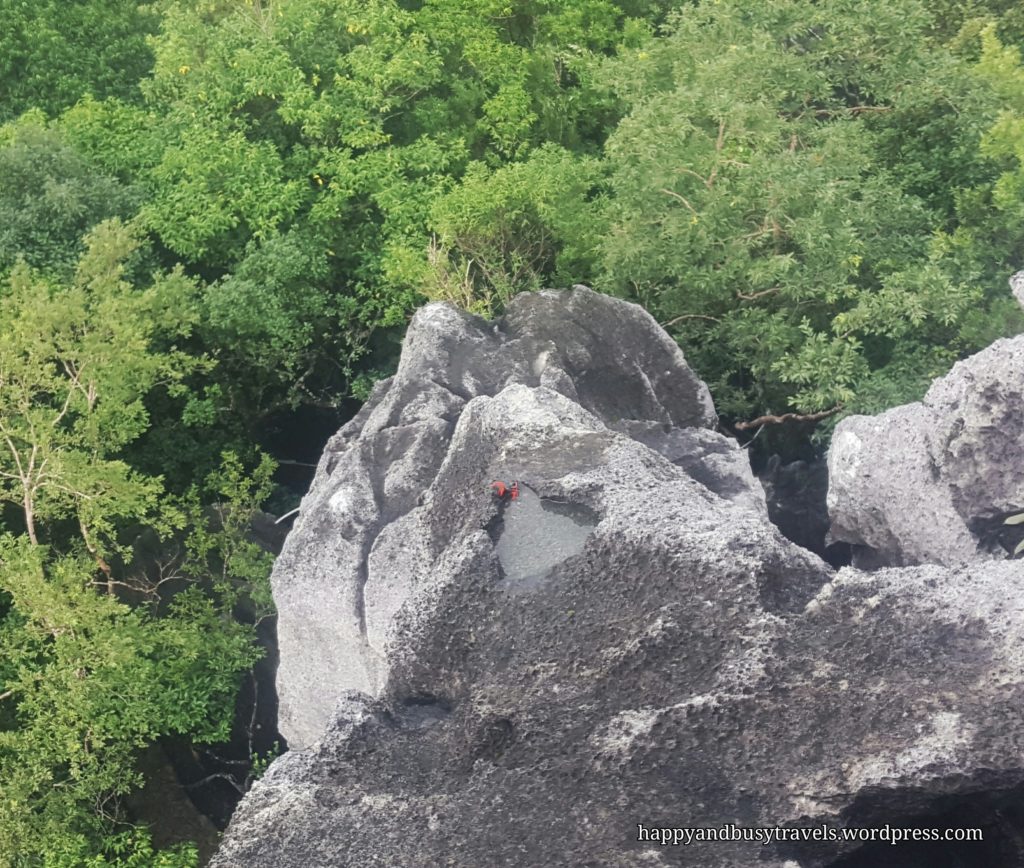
(366, 540)
(668, 660)
(912, 485)
(687, 666)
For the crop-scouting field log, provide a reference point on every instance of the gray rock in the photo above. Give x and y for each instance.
(682, 665)
(371, 528)
(1017, 287)
(485, 682)
(912, 485)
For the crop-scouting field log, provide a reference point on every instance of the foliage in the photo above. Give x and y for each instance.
(93, 680)
(88, 678)
(292, 154)
(960, 21)
(512, 229)
(52, 52)
(214, 214)
(220, 549)
(281, 342)
(757, 211)
(261, 762)
(1004, 141)
(76, 362)
(983, 245)
(50, 196)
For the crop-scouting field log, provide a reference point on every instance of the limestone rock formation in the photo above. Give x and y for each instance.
(661, 679)
(482, 681)
(1017, 287)
(382, 507)
(917, 483)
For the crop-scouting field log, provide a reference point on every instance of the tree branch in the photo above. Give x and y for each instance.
(672, 322)
(719, 143)
(101, 562)
(853, 110)
(788, 417)
(753, 295)
(700, 178)
(682, 199)
(223, 776)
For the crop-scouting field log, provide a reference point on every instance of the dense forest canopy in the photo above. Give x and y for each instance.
(217, 216)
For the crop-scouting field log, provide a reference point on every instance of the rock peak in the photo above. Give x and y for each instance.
(478, 680)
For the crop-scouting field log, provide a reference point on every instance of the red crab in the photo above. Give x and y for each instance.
(503, 491)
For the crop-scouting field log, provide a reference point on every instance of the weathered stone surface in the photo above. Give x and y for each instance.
(911, 485)
(522, 682)
(1017, 287)
(383, 508)
(683, 666)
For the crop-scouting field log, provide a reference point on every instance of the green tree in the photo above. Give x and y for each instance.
(53, 53)
(102, 652)
(76, 362)
(88, 681)
(510, 229)
(50, 196)
(994, 212)
(760, 211)
(960, 21)
(292, 154)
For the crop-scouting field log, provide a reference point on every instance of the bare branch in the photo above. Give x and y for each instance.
(754, 295)
(217, 776)
(15, 454)
(835, 112)
(750, 442)
(142, 586)
(682, 199)
(853, 110)
(672, 322)
(64, 409)
(216, 757)
(700, 178)
(788, 417)
(114, 583)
